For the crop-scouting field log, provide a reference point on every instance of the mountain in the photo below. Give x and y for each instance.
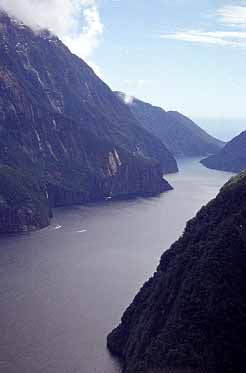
(179, 134)
(231, 158)
(65, 137)
(191, 315)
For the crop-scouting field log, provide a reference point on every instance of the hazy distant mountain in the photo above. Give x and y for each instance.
(190, 317)
(180, 134)
(64, 136)
(222, 128)
(231, 158)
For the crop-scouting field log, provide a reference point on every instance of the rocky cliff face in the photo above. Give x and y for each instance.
(191, 315)
(61, 126)
(23, 201)
(231, 158)
(41, 71)
(179, 134)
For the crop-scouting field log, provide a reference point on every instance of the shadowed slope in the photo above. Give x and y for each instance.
(192, 313)
(231, 158)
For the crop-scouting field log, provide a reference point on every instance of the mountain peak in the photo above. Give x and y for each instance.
(66, 132)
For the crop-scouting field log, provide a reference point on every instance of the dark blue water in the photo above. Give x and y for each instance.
(65, 287)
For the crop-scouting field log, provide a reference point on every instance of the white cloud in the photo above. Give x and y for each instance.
(127, 98)
(233, 15)
(222, 38)
(195, 37)
(230, 15)
(76, 22)
(84, 43)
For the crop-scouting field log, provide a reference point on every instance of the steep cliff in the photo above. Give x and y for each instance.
(41, 70)
(23, 201)
(231, 158)
(180, 135)
(191, 315)
(61, 126)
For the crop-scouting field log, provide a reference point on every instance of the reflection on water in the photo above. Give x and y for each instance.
(65, 287)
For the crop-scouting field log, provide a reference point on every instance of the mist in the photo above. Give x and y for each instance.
(76, 22)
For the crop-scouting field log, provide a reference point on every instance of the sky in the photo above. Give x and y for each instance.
(181, 55)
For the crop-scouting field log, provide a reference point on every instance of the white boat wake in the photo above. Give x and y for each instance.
(57, 227)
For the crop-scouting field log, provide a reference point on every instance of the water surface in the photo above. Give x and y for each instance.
(65, 287)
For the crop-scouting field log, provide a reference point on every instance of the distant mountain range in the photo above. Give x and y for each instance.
(190, 317)
(222, 128)
(231, 158)
(65, 137)
(179, 134)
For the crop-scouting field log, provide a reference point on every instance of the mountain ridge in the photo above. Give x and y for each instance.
(179, 134)
(231, 158)
(61, 126)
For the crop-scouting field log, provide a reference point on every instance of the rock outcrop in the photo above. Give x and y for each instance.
(62, 128)
(231, 158)
(191, 315)
(180, 134)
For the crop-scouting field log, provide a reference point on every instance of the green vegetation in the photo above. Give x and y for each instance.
(60, 126)
(23, 201)
(235, 181)
(192, 313)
